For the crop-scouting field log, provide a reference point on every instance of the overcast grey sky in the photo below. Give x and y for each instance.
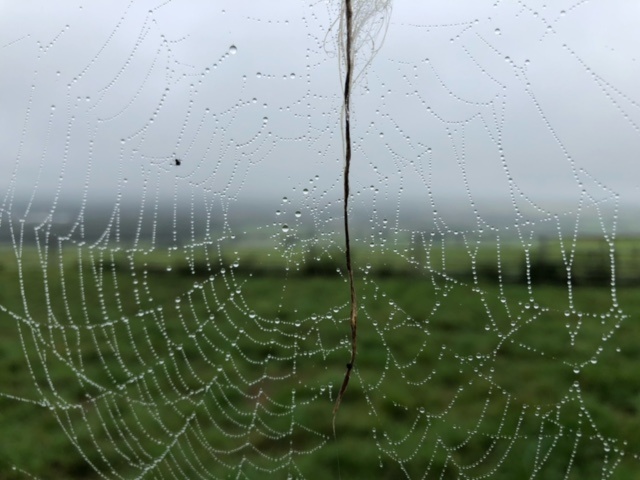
(482, 101)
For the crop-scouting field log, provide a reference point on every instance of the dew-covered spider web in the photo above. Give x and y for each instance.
(175, 300)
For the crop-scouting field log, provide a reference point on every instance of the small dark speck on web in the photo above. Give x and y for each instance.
(178, 162)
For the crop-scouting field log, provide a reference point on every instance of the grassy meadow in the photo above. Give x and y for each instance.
(225, 362)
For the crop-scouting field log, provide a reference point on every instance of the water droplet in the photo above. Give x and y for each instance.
(292, 76)
(233, 49)
(259, 75)
(298, 214)
(305, 191)
(285, 228)
(498, 32)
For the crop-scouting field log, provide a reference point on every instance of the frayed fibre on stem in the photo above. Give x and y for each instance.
(353, 315)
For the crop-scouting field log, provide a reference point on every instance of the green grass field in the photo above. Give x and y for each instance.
(111, 362)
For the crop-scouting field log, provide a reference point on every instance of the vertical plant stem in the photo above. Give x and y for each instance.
(353, 315)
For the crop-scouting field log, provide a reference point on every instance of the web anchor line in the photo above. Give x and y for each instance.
(353, 315)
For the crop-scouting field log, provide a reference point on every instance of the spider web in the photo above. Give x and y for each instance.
(171, 193)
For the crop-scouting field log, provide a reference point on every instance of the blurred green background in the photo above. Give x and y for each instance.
(476, 360)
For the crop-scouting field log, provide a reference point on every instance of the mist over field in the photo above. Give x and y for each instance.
(183, 223)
